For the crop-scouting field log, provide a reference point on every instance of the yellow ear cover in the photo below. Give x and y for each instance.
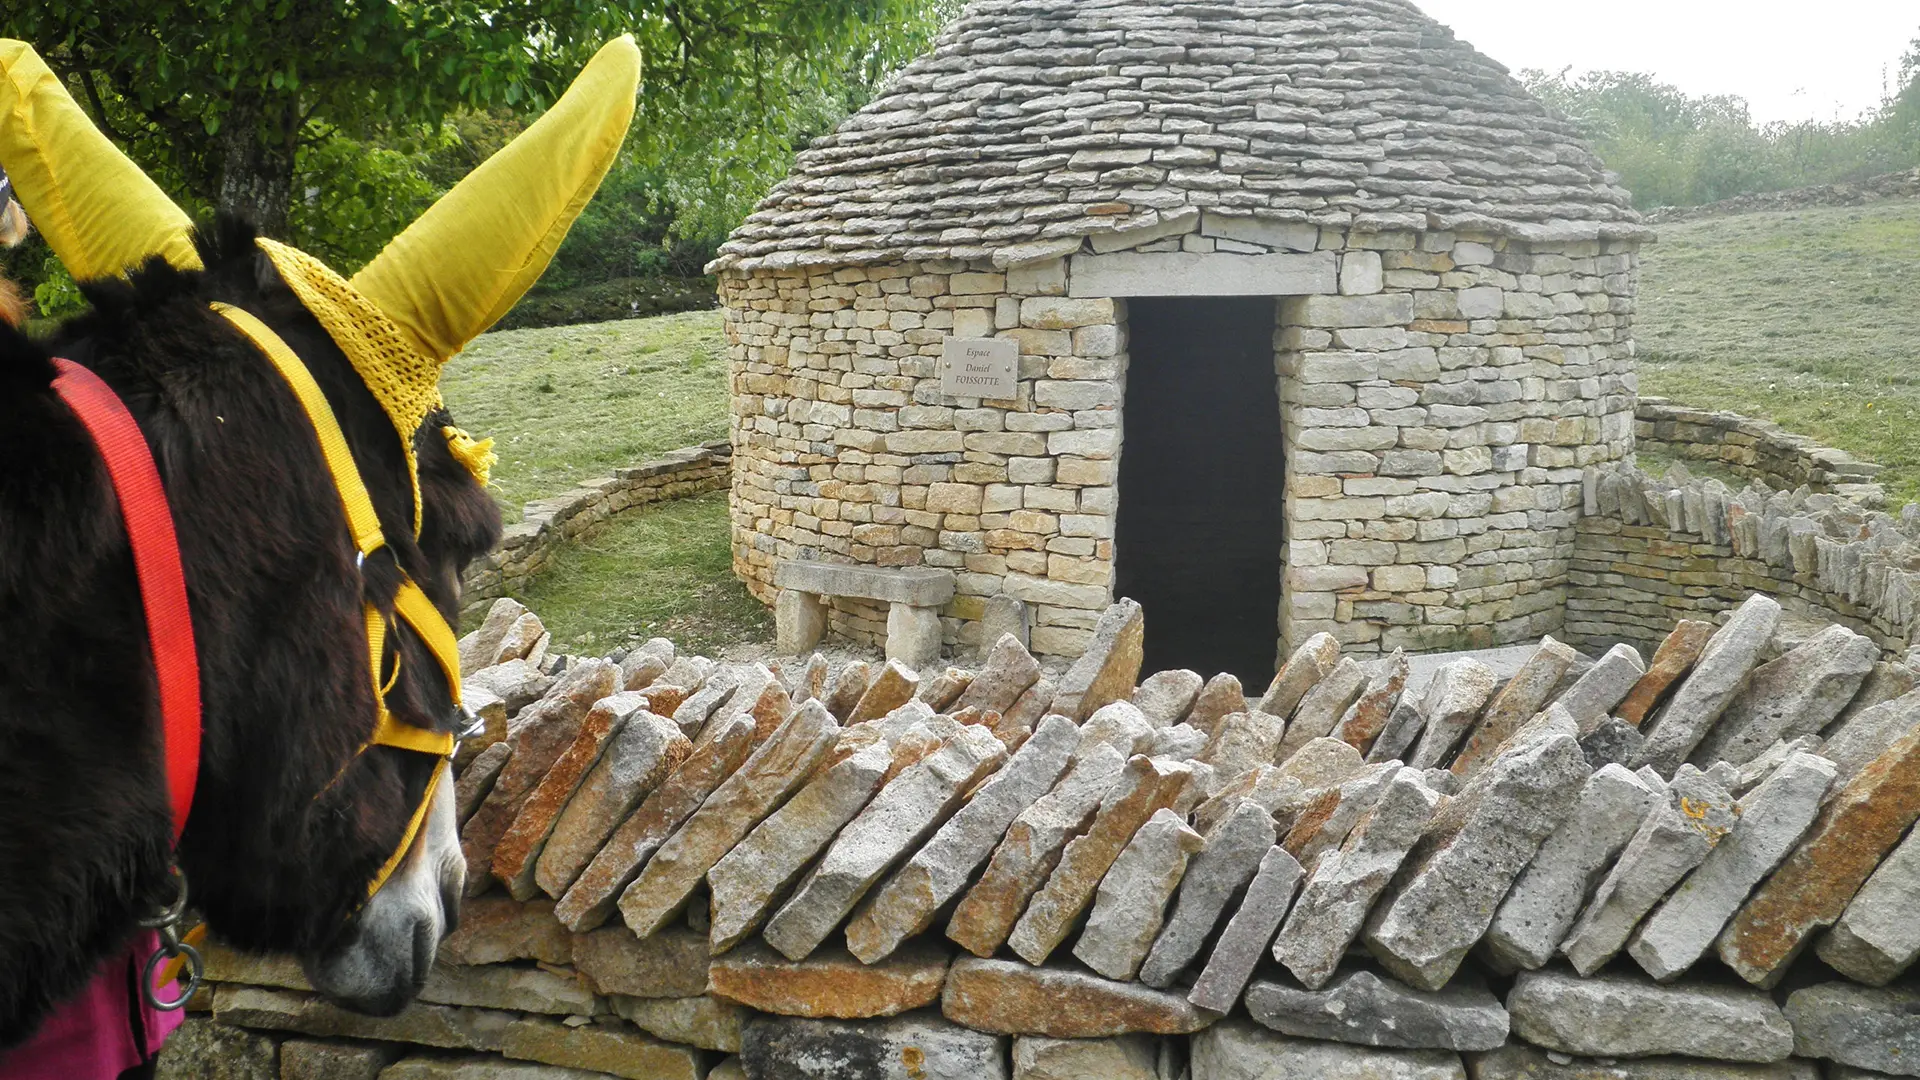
(464, 263)
(98, 211)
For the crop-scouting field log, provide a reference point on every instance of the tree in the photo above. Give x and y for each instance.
(221, 98)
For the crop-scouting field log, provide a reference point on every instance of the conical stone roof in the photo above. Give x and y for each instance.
(1034, 123)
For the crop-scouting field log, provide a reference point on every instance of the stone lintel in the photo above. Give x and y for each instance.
(919, 586)
(1190, 273)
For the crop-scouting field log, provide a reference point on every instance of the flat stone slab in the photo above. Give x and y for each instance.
(1121, 1057)
(1233, 853)
(1366, 1009)
(909, 900)
(1796, 694)
(705, 1021)
(1343, 886)
(1676, 655)
(1604, 685)
(1243, 1050)
(1248, 933)
(1308, 664)
(1013, 998)
(1811, 889)
(1673, 838)
(919, 586)
(1773, 818)
(1877, 1029)
(646, 750)
(1455, 879)
(1547, 897)
(1109, 668)
(670, 964)
(1449, 705)
(1518, 1061)
(1719, 674)
(1030, 850)
(495, 929)
(1879, 937)
(831, 983)
(749, 879)
(1623, 1016)
(1129, 906)
(913, 1046)
(1524, 695)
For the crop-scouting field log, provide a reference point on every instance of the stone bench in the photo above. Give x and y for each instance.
(915, 595)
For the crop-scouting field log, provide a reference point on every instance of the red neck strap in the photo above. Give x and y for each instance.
(156, 562)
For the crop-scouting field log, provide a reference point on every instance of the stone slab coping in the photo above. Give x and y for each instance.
(1504, 662)
(918, 586)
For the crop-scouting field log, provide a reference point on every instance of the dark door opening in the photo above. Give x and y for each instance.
(1199, 534)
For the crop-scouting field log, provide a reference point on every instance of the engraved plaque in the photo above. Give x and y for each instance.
(980, 368)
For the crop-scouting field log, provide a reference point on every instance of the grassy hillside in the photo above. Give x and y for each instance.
(569, 403)
(1809, 318)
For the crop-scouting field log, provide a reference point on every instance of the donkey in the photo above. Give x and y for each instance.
(294, 814)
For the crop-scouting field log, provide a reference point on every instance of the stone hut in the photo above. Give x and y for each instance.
(1278, 316)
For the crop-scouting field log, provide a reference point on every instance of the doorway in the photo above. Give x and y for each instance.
(1198, 537)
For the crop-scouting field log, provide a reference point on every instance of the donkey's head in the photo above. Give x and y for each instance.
(308, 834)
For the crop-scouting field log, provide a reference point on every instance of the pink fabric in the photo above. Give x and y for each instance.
(91, 1037)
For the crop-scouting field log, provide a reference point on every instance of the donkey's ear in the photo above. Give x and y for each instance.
(98, 211)
(464, 263)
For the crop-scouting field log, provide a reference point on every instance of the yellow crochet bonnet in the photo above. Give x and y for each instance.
(438, 285)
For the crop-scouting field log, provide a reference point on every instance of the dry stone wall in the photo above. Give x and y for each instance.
(547, 524)
(1756, 450)
(1651, 551)
(1438, 404)
(1695, 866)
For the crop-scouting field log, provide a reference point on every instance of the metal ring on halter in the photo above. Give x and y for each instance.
(476, 725)
(196, 974)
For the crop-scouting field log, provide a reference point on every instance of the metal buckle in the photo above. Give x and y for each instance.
(167, 923)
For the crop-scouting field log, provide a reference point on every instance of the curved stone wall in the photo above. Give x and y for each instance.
(1754, 450)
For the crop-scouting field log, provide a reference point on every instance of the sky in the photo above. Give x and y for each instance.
(1792, 60)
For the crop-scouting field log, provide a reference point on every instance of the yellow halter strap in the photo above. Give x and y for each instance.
(410, 603)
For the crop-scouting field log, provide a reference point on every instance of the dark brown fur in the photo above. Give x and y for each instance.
(84, 832)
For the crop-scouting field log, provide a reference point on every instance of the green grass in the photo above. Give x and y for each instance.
(1808, 318)
(571, 403)
(663, 571)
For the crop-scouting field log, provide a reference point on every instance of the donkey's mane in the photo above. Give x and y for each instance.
(84, 830)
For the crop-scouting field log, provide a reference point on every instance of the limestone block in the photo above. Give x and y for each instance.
(1878, 938)
(1675, 837)
(1717, 676)
(914, 1046)
(1323, 823)
(1129, 905)
(898, 819)
(721, 748)
(1009, 670)
(1677, 653)
(516, 856)
(944, 866)
(1181, 742)
(892, 687)
(480, 648)
(1361, 1008)
(477, 778)
(1860, 824)
(670, 964)
(1179, 273)
(1772, 820)
(1308, 664)
(831, 984)
(920, 586)
(1282, 235)
(646, 750)
(1858, 739)
(1012, 998)
(1853, 1025)
(1547, 897)
(306, 1059)
(1625, 1016)
(1243, 742)
(1119, 1057)
(1524, 696)
(515, 683)
(1167, 696)
(848, 688)
(1145, 787)
(1005, 615)
(750, 878)
(1242, 1050)
(1455, 696)
(799, 622)
(1343, 886)
(1120, 724)
(1797, 694)
(1404, 725)
(1031, 849)
(679, 865)
(913, 635)
(496, 929)
(1322, 706)
(1248, 933)
(1233, 853)
(1612, 741)
(1109, 668)
(1455, 878)
(705, 1021)
(1220, 697)
(1518, 1061)
(1367, 717)
(202, 1049)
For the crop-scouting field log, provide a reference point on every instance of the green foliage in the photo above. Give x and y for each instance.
(1672, 149)
(56, 295)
